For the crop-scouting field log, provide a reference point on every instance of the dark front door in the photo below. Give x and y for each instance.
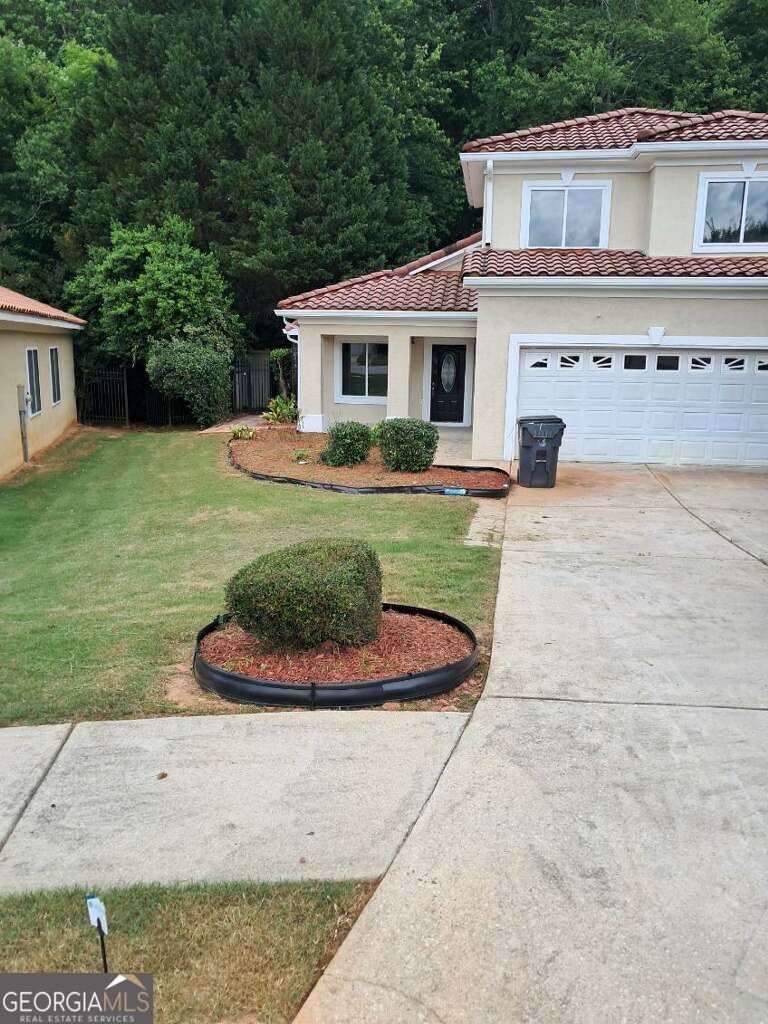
(448, 366)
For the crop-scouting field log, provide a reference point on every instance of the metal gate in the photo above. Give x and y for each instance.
(251, 382)
(124, 395)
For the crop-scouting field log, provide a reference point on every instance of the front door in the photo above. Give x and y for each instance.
(448, 370)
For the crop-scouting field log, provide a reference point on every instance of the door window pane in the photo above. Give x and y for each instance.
(377, 370)
(756, 215)
(546, 217)
(33, 381)
(722, 220)
(582, 224)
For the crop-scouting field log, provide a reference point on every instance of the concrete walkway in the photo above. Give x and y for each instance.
(268, 797)
(596, 849)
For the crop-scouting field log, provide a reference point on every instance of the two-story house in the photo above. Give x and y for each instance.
(620, 281)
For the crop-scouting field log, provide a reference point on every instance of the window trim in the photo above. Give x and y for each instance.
(339, 397)
(699, 245)
(35, 349)
(51, 349)
(606, 185)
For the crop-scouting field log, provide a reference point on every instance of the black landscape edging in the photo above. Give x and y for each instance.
(366, 693)
(470, 492)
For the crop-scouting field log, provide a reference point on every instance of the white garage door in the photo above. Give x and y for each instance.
(669, 406)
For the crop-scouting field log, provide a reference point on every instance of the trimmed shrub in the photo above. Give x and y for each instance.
(348, 444)
(281, 410)
(407, 445)
(308, 593)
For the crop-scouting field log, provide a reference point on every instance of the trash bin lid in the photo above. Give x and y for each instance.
(540, 419)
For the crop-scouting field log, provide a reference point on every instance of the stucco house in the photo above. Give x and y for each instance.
(620, 280)
(37, 376)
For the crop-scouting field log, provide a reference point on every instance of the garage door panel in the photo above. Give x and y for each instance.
(710, 407)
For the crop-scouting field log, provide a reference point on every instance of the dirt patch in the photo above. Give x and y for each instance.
(406, 644)
(181, 689)
(283, 451)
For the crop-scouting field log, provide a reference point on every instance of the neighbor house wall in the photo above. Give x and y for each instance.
(53, 420)
(500, 316)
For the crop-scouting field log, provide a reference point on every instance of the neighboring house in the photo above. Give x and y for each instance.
(36, 373)
(620, 281)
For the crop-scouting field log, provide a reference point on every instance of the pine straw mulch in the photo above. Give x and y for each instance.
(406, 644)
(283, 451)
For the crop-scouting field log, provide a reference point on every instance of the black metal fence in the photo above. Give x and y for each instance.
(123, 395)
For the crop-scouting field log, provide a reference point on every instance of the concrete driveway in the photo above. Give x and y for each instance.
(596, 850)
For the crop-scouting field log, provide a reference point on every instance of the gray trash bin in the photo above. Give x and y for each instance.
(539, 439)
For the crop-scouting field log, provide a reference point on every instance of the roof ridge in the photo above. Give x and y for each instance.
(694, 120)
(605, 115)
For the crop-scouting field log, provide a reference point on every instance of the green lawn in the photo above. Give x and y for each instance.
(117, 550)
(217, 952)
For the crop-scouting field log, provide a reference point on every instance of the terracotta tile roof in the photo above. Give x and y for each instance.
(722, 125)
(14, 302)
(606, 263)
(398, 289)
(615, 129)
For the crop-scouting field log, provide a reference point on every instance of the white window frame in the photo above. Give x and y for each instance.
(661, 355)
(339, 397)
(761, 368)
(699, 245)
(51, 349)
(735, 369)
(593, 365)
(606, 185)
(33, 348)
(709, 368)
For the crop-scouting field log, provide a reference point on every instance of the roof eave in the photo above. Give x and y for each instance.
(377, 314)
(11, 316)
(614, 282)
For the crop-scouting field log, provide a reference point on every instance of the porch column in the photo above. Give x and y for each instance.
(399, 372)
(310, 378)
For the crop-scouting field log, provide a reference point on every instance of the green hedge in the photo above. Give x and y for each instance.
(407, 445)
(348, 444)
(308, 593)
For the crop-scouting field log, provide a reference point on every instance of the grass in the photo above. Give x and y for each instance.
(217, 952)
(116, 550)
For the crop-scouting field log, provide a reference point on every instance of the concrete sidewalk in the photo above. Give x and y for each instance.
(285, 796)
(595, 853)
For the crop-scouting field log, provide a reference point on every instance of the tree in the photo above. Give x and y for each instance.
(195, 364)
(149, 283)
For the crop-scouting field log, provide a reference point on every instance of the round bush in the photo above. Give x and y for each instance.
(407, 445)
(308, 593)
(348, 444)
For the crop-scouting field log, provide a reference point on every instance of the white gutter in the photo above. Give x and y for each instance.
(613, 282)
(374, 314)
(41, 321)
(628, 153)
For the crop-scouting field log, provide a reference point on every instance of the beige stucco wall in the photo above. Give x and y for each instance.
(317, 368)
(673, 197)
(628, 227)
(52, 421)
(500, 316)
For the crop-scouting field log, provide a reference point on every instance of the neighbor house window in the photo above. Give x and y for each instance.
(565, 216)
(53, 355)
(363, 371)
(733, 212)
(33, 382)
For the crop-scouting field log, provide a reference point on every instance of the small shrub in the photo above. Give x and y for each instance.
(376, 433)
(281, 410)
(242, 432)
(348, 444)
(308, 593)
(301, 455)
(407, 445)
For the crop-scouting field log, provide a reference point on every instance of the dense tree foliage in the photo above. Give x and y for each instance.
(304, 140)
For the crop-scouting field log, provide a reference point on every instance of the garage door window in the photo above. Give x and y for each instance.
(701, 364)
(537, 362)
(602, 362)
(734, 364)
(761, 365)
(634, 362)
(568, 361)
(667, 362)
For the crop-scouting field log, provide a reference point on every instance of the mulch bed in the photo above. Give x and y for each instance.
(406, 644)
(273, 451)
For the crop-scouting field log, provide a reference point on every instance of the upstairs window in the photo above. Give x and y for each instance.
(557, 216)
(732, 213)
